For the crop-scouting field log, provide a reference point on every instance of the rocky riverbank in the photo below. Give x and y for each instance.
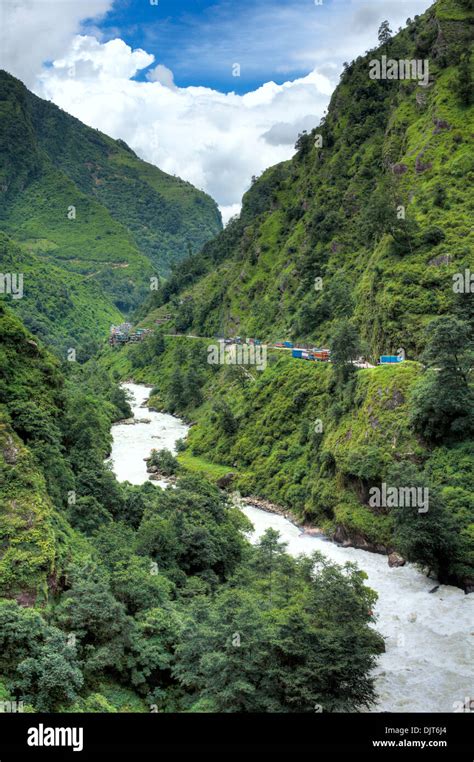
(340, 535)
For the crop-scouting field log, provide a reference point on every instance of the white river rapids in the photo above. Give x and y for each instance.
(427, 666)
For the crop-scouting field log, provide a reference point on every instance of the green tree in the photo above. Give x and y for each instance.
(268, 553)
(429, 538)
(345, 347)
(224, 652)
(225, 418)
(42, 668)
(49, 678)
(87, 514)
(465, 82)
(118, 398)
(310, 646)
(138, 584)
(152, 650)
(384, 33)
(176, 391)
(99, 622)
(192, 387)
(324, 654)
(382, 215)
(164, 461)
(442, 404)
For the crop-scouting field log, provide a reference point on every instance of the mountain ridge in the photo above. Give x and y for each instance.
(73, 197)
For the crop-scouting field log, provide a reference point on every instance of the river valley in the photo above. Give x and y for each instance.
(427, 666)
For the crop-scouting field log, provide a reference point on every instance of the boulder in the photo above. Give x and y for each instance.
(420, 165)
(440, 124)
(340, 535)
(399, 168)
(11, 452)
(395, 559)
(468, 585)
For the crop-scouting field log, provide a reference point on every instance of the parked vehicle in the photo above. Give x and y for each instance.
(390, 359)
(323, 355)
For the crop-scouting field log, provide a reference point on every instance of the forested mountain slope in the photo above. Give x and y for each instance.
(117, 597)
(375, 203)
(74, 198)
(65, 310)
(381, 212)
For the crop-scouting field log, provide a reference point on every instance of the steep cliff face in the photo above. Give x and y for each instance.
(370, 220)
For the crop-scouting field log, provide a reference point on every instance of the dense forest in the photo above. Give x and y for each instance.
(111, 590)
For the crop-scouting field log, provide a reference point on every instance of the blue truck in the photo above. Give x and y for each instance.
(303, 354)
(390, 359)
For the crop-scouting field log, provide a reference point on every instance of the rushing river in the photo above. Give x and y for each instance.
(428, 663)
(132, 443)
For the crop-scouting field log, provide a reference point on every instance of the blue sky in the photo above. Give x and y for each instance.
(201, 40)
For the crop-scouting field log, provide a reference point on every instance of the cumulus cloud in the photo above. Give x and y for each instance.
(162, 74)
(286, 133)
(87, 59)
(215, 140)
(35, 31)
(227, 212)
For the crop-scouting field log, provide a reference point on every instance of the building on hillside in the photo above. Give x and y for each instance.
(119, 333)
(122, 334)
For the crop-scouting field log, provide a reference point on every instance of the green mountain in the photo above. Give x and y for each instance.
(64, 310)
(34, 534)
(382, 214)
(374, 204)
(76, 199)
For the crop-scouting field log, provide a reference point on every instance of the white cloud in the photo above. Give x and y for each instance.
(87, 59)
(35, 31)
(286, 133)
(162, 74)
(215, 140)
(228, 212)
